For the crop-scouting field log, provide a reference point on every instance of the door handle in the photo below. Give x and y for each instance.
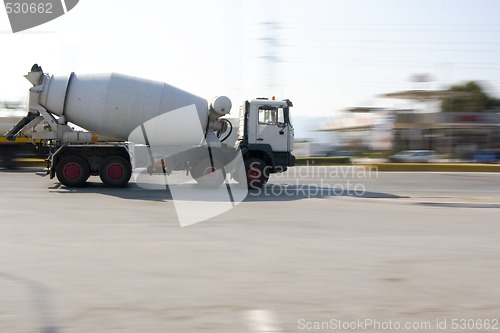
(260, 139)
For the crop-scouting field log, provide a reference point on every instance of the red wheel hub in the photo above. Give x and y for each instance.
(72, 171)
(254, 173)
(210, 172)
(115, 171)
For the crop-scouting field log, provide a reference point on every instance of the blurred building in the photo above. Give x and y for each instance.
(444, 132)
(385, 129)
(363, 128)
(447, 132)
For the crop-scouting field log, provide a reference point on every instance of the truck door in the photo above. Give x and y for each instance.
(273, 127)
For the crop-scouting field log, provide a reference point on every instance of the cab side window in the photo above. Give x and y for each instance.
(268, 117)
(272, 116)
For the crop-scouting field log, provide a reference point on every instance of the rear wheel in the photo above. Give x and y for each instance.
(209, 173)
(72, 171)
(115, 171)
(257, 172)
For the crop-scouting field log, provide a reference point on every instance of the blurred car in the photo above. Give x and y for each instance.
(339, 153)
(413, 156)
(485, 156)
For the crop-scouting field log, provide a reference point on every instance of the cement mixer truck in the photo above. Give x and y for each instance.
(174, 129)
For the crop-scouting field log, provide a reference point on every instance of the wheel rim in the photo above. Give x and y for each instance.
(210, 174)
(72, 171)
(254, 173)
(115, 171)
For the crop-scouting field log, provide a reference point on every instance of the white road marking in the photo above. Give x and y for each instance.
(260, 321)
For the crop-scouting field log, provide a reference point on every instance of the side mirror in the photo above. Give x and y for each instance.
(282, 130)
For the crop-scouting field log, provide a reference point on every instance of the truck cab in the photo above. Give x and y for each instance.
(265, 138)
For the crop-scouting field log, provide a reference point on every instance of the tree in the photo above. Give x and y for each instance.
(477, 101)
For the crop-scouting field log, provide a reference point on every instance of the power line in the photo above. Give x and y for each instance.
(404, 49)
(395, 27)
(456, 65)
(389, 41)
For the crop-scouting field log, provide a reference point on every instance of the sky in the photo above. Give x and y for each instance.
(324, 55)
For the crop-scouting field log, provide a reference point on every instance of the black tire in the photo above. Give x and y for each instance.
(257, 172)
(209, 173)
(115, 171)
(72, 171)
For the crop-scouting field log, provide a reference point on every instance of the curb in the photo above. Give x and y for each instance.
(345, 161)
(429, 167)
(323, 160)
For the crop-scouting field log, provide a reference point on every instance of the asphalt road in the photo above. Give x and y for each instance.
(319, 247)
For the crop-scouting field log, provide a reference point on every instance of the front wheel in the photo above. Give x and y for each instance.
(115, 171)
(257, 172)
(72, 171)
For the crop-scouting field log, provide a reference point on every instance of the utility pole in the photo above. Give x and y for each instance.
(271, 54)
